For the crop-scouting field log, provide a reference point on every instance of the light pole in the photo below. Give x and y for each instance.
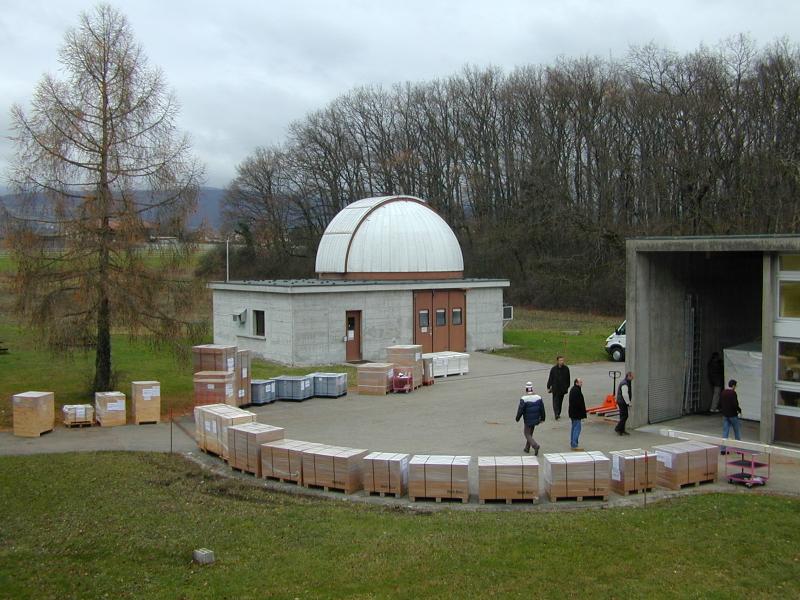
(227, 260)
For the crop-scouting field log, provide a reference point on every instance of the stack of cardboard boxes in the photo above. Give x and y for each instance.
(34, 413)
(334, 467)
(283, 459)
(577, 475)
(211, 426)
(109, 408)
(375, 379)
(244, 445)
(214, 387)
(145, 402)
(633, 470)
(77, 414)
(407, 358)
(685, 463)
(386, 473)
(438, 477)
(508, 478)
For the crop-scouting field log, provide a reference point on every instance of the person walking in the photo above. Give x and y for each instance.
(730, 409)
(558, 384)
(624, 399)
(577, 412)
(531, 411)
(716, 377)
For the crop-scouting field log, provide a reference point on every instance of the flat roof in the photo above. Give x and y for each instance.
(716, 243)
(318, 286)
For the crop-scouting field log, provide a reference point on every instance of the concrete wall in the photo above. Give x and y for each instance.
(484, 319)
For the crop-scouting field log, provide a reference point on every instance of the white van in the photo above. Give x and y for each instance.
(615, 343)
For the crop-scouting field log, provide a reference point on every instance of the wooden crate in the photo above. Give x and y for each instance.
(243, 378)
(386, 473)
(215, 387)
(109, 408)
(576, 475)
(211, 426)
(77, 414)
(244, 445)
(145, 402)
(213, 357)
(439, 477)
(508, 478)
(633, 470)
(375, 378)
(33, 413)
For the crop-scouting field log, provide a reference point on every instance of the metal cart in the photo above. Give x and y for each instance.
(751, 467)
(402, 382)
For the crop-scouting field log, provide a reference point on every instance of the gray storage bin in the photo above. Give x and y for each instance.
(263, 391)
(329, 385)
(294, 387)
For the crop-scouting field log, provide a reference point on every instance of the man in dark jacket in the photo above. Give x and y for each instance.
(624, 399)
(531, 410)
(577, 412)
(558, 384)
(730, 409)
(716, 377)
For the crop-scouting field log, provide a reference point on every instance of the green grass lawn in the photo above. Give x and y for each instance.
(542, 335)
(119, 525)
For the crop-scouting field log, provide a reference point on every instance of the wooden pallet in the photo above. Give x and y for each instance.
(78, 424)
(283, 480)
(635, 491)
(329, 488)
(686, 485)
(509, 500)
(438, 499)
(146, 422)
(386, 494)
(577, 498)
(41, 433)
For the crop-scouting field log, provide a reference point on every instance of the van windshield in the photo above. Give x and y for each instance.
(621, 329)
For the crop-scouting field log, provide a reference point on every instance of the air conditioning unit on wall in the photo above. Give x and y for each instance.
(240, 317)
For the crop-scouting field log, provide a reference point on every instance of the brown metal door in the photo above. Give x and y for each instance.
(353, 333)
(458, 320)
(423, 323)
(441, 321)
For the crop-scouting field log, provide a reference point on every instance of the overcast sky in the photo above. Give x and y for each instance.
(244, 70)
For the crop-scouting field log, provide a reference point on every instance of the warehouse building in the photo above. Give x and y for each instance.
(738, 295)
(390, 271)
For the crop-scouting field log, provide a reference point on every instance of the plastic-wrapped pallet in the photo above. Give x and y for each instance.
(77, 414)
(214, 357)
(386, 473)
(334, 467)
(33, 413)
(329, 385)
(685, 463)
(109, 408)
(633, 470)
(244, 445)
(375, 379)
(508, 478)
(211, 426)
(263, 391)
(215, 387)
(283, 459)
(438, 477)
(145, 401)
(576, 475)
(295, 388)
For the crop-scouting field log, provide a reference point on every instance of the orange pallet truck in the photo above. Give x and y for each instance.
(609, 405)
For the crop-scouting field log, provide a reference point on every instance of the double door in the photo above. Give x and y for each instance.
(440, 320)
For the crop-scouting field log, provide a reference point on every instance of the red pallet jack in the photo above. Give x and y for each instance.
(609, 406)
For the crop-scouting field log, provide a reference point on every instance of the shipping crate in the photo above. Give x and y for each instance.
(439, 477)
(686, 463)
(703, 461)
(386, 473)
(243, 378)
(263, 391)
(145, 402)
(633, 470)
(329, 385)
(244, 445)
(508, 478)
(211, 426)
(215, 387)
(375, 379)
(283, 459)
(213, 357)
(334, 467)
(576, 475)
(448, 363)
(76, 415)
(109, 408)
(33, 413)
(295, 388)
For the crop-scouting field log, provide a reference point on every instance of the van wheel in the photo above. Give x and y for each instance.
(617, 354)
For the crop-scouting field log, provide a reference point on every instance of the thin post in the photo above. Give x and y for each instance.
(170, 430)
(227, 261)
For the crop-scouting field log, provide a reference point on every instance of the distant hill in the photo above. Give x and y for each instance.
(208, 211)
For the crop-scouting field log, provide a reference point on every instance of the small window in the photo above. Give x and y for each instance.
(789, 361)
(258, 323)
(456, 316)
(441, 317)
(424, 319)
(788, 398)
(790, 262)
(789, 295)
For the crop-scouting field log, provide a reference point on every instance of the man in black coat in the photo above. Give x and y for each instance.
(716, 377)
(624, 399)
(558, 384)
(577, 412)
(531, 410)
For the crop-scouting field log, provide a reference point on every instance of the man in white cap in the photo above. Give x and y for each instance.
(531, 411)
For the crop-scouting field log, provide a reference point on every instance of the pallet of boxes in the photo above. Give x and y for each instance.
(407, 359)
(244, 445)
(33, 413)
(438, 477)
(375, 379)
(633, 471)
(686, 463)
(333, 468)
(211, 426)
(386, 473)
(109, 409)
(577, 476)
(508, 479)
(282, 460)
(215, 375)
(77, 415)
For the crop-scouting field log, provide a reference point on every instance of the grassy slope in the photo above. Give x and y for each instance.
(124, 525)
(540, 335)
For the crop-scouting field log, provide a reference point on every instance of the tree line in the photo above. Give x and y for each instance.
(543, 172)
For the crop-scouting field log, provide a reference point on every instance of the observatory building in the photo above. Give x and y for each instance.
(390, 271)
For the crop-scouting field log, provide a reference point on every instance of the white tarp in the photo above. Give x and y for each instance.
(743, 363)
